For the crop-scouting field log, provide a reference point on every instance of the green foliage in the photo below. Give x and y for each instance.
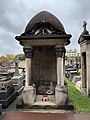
(20, 55)
(80, 101)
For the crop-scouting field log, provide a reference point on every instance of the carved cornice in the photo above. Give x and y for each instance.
(60, 51)
(28, 51)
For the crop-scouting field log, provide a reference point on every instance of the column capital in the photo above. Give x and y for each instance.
(60, 51)
(28, 50)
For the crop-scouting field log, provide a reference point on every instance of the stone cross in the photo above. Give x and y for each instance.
(84, 26)
(16, 66)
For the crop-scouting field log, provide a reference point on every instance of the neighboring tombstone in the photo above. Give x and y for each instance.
(84, 41)
(18, 79)
(7, 93)
(76, 79)
(72, 74)
(4, 67)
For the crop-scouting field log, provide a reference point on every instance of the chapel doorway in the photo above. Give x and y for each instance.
(84, 70)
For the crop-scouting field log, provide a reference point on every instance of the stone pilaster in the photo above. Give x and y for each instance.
(28, 59)
(60, 52)
(29, 93)
(61, 89)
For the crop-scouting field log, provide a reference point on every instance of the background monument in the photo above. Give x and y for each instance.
(84, 41)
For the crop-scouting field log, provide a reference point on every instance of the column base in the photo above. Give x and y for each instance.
(29, 95)
(61, 95)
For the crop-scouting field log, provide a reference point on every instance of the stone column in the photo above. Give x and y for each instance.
(61, 89)
(83, 72)
(28, 59)
(88, 70)
(60, 65)
(29, 93)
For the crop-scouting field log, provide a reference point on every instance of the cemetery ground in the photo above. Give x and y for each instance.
(80, 101)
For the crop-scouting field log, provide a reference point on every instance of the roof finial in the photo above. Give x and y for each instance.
(84, 26)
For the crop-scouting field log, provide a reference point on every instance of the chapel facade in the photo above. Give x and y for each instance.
(44, 42)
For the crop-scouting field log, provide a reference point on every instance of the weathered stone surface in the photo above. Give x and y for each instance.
(6, 102)
(5, 84)
(17, 79)
(44, 65)
(29, 95)
(78, 84)
(16, 66)
(7, 96)
(61, 95)
(28, 51)
(19, 87)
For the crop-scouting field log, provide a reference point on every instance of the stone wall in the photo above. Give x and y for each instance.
(44, 64)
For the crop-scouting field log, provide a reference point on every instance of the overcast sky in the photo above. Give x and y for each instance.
(15, 14)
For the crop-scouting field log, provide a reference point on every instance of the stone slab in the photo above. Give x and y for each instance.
(19, 87)
(7, 73)
(19, 92)
(4, 94)
(6, 102)
(17, 79)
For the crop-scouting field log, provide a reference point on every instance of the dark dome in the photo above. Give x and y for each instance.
(47, 17)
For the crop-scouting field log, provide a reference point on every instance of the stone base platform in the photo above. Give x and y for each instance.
(39, 104)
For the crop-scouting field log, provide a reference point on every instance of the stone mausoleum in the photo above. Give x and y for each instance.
(84, 41)
(44, 42)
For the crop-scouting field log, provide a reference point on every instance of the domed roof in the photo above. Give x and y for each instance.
(47, 17)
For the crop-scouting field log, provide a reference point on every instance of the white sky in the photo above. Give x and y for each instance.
(15, 14)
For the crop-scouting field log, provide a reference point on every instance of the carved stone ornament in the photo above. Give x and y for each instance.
(60, 51)
(28, 52)
(44, 28)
